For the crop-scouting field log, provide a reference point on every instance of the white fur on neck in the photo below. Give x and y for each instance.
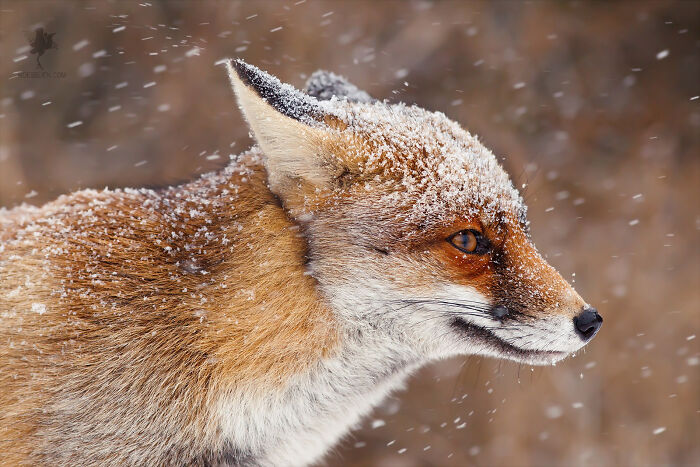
(382, 341)
(299, 423)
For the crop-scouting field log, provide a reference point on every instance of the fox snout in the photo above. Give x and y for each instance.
(588, 323)
(532, 314)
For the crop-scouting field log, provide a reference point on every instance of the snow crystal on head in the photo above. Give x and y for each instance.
(443, 170)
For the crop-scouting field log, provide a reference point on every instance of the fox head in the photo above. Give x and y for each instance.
(414, 231)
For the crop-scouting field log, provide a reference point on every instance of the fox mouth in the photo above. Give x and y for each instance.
(479, 334)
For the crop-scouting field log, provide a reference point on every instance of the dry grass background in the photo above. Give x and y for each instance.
(579, 100)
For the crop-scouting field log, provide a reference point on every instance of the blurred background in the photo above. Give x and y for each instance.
(593, 106)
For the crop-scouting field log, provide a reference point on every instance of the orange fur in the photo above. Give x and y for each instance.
(214, 315)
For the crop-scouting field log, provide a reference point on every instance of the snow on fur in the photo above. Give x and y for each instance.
(444, 170)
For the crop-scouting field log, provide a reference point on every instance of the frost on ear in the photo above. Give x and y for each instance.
(324, 85)
(287, 124)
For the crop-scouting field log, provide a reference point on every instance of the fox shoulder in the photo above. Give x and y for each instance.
(137, 306)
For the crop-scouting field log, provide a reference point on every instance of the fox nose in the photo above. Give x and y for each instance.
(588, 323)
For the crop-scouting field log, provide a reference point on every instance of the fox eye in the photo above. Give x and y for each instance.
(470, 241)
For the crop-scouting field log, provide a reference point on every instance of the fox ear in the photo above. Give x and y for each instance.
(325, 85)
(287, 124)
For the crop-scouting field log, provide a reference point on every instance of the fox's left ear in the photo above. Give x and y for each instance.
(325, 85)
(290, 127)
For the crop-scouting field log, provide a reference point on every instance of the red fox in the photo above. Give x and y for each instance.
(254, 315)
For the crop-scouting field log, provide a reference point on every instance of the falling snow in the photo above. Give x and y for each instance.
(134, 100)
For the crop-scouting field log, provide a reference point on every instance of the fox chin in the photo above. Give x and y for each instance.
(254, 315)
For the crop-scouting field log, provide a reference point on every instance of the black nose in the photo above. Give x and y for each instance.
(588, 323)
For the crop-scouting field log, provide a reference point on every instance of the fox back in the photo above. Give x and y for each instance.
(254, 315)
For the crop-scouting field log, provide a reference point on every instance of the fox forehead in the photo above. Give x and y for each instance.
(434, 169)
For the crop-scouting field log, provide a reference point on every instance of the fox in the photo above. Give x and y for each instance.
(254, 315)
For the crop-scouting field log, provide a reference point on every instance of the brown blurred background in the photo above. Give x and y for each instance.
(594, 106)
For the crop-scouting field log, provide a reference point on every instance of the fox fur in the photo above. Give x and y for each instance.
(254, 315)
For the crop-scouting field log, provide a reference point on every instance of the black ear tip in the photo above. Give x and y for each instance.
(245, 71)
(260, 81)
(283, 97)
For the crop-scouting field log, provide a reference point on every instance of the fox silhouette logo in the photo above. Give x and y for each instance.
(42, 42)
